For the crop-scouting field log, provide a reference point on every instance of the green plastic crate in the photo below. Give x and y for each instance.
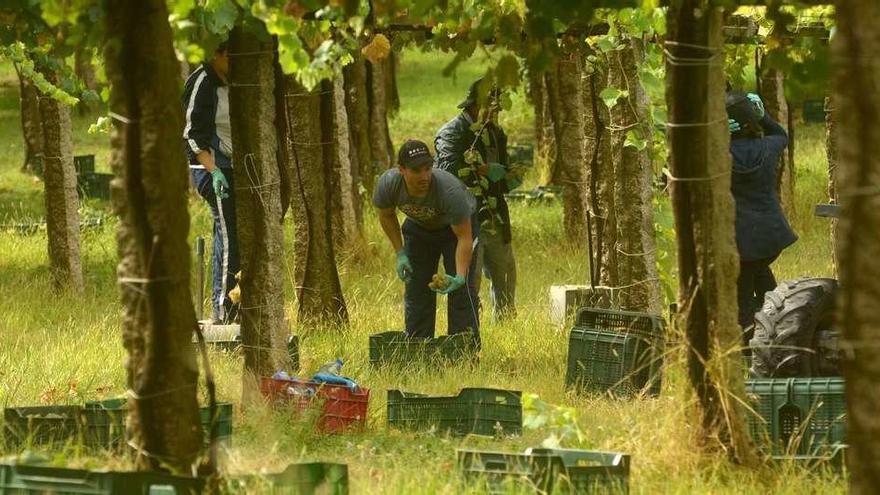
(297, 479)
(396, 347)
(223, 422)
(814, 110)
(547, 470)
(481, 411)
(94, 185)
(84, 164)
(22, 479)
(798, 416)
(615, 351)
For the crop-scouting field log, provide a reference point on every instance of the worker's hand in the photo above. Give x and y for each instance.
(404, 267)
(759, 105)
(496, 172)
(221, 185)
(733, 126)
(452, 284)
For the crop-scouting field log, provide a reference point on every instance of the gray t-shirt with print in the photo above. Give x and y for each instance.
(447, 201)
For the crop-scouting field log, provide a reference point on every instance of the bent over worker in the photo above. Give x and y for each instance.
(207, 139)
(438, 210)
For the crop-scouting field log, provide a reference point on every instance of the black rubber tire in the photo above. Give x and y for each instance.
(788, 329)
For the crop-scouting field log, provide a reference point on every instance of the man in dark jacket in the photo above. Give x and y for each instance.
(475, 131)
(762, 232)
(208, 142)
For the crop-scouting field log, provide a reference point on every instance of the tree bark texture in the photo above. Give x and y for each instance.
(553, 108)
(775, 104)
(391, 92)
(857, 113)
(31, 128)
(569, 129)
(380, 137)
(258, 207)
(346, 200)
(831, 151)
(85, 71)
(62, 203)
(358, 108)
(150, 199)
(545, 142)
(319, 291)
(704, 217)
(631, 180)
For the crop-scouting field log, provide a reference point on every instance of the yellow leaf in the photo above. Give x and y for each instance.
(378, 48)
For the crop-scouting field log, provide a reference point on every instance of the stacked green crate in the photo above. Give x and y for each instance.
(480, 411)
(22, 479)
(803, 417)
(547, 470)
(396, 347)
(615, 351)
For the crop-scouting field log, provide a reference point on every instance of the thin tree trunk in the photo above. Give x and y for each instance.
(62, 203)
(545, 143)
(31, 127)
(773, 94)
(391, 92)
(704, 217)
(570, 150)
(380, 139)
(831, 151)
(150, 198)
(346, 197)
(258, 207)
(636, 263)
(317, 282)
(85, 71)
(554, 109)
(356, 95)
(857, 113)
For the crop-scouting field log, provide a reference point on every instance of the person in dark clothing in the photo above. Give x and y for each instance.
(762, 231)
(475, 129)
(207, 138)
(439, 211)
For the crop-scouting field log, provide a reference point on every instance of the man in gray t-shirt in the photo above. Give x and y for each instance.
(438, 210)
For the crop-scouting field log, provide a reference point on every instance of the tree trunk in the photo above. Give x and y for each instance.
(31, 127)
(62, 204)
(704, 217)
(857, 113)
(392, 64)
(358, 108)
(773, 94)
(85, 71)
(318, 289)
(636, 263)
(150, 198)
(380, 138)
(258, 207)
(554, 107)
(570, 150)
(831, 151)
(346, 200)
(545, 142)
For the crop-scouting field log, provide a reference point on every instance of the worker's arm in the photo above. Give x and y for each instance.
(206, 159)
(464, 247)
(391, 227)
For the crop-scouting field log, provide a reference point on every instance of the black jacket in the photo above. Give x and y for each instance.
(453, 139)
(761, 228)
(200, 111)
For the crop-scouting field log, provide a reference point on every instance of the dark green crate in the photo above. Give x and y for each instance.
(547, 470)
(481, 411)
(22, 479)
(396, 347)
(223, 422)
(814, 110)
(521, 153)
(297, 479)
(94, 185)
(615, 351)
(84, 164)
(797, 416)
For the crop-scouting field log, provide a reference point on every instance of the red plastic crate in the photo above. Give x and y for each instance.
(341, 408)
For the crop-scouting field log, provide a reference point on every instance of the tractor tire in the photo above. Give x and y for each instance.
(793, 331)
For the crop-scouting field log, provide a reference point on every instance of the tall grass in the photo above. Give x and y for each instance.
(65, 348)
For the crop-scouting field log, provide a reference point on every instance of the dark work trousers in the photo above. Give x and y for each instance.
(755, 280)
(424, 248)
(225, 262)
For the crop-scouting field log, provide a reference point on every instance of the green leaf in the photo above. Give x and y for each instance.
(222, 15)
(610, 95)
(633, 140)
(507, 72)
(465, 171)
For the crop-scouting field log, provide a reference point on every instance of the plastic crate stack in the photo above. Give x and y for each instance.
(398, 348)
(480, 411)
(616, 351)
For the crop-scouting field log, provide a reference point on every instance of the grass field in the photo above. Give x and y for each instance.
(67, 348)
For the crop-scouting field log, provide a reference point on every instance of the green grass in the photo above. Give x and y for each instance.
(65, 348)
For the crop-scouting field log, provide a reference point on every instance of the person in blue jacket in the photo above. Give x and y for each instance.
(207, 138)
(762, 231)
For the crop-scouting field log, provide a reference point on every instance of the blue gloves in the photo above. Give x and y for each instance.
(759, 105)
(733, 126)
(404, 267)
(221, 185)
(452, 284)
(496, 172)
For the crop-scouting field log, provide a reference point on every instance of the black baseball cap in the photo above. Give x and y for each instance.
(414, 153)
